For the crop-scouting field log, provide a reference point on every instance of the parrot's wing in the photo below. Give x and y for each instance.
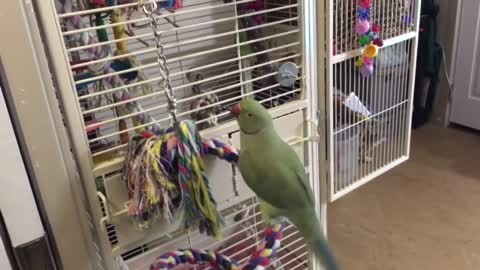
(303, 179)
(300, 176)
(296, 166)
(280, 181)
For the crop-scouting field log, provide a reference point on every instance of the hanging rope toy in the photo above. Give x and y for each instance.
(259, 260)
(369, 38)
(166, 173)
(151, 174)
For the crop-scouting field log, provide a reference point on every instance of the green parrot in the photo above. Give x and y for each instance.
(272, 169)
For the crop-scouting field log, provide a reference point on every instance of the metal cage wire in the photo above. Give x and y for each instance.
(203, 51)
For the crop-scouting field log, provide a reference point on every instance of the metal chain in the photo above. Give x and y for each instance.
(149, 9)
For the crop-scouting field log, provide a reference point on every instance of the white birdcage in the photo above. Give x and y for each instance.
(295, 57)
(386, 96)
(217, 53)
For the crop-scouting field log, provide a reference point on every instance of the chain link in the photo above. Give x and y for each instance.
(149, 9)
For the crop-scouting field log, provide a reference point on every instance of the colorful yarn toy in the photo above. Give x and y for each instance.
(259, 260)
(369, 38)
(199, 204)
(114, 80)
(220, 150)
(166, 173)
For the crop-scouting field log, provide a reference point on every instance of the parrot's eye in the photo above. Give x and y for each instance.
(249, 115)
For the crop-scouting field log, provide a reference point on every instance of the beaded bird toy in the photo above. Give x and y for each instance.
(259, 260)
(369, 38)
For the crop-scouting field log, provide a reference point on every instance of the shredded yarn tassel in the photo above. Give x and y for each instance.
(151, 189)
(165, 176)
(192, 173)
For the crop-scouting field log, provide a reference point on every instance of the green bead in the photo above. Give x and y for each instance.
(365, 40)
(359, 62)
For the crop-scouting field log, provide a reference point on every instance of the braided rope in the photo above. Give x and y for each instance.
(165, 172)
(259, 260)
(221, 150)
(199, 204)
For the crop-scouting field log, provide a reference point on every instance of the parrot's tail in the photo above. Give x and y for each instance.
(309, 226)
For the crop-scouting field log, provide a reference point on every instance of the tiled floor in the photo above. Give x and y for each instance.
(424, 215)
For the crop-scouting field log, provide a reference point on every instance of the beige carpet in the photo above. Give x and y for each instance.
(424, 215)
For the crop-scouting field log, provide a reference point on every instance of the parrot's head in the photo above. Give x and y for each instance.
(252, 117)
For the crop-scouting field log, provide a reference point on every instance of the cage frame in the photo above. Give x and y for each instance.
(62, 76)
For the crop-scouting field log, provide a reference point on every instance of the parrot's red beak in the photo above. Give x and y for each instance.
(236, 109)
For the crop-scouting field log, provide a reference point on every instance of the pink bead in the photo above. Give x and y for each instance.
(362, 27)
(367, 61)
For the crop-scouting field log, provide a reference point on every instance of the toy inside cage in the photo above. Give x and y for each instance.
(371, 58)
(396, 17)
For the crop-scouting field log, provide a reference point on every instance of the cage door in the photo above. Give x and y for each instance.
(369, 116)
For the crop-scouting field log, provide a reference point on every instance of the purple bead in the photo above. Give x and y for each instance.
(366, 70)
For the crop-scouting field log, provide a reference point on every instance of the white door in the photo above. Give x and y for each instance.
(466, 95)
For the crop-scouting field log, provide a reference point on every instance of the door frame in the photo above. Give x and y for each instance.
(44, 139)
(451, 73)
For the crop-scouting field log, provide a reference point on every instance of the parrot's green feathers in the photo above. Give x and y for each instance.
(253, 117)
(272, 169)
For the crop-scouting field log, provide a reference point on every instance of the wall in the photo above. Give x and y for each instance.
(446, 31)
(17, 204)
(4, 261)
